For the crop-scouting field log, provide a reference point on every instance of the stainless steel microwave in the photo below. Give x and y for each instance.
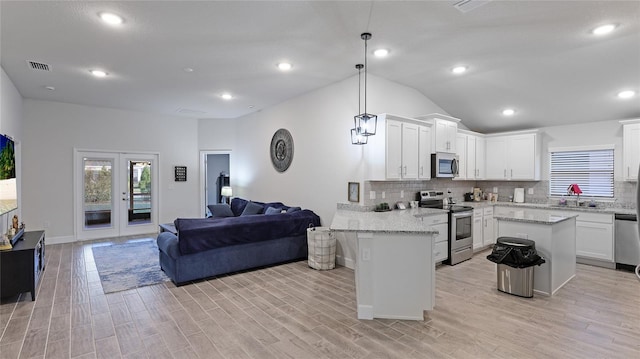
(444, 165)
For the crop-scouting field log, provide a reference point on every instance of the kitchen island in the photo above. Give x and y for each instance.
(555, 237)
(394, 266)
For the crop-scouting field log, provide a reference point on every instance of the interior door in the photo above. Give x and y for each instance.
(116, 194)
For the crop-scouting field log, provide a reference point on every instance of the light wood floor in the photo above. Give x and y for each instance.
(292, 311)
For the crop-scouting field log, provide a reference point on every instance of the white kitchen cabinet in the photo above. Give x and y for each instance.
(478, 225)
(445, 132)
(594, 236)
(496, 166)
(402, 150)
(441, 240)
(424, 154)
(483, 228)
(394, 149)
(513, 157)
(488, 228)
(445, 129)
(480, 158)
(471, 155)
(399, 151)
(461, 152)
(630, 149)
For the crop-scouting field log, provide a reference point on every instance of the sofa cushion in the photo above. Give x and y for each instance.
(273, 210)
(220, 210)
(237, 205)
(252, 208)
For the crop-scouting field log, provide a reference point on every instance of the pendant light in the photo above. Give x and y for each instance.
(365, 121)
(356, 133)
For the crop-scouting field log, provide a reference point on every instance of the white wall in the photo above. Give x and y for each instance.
(52, 130)
(11, 124)
(324, 159)
(580, 135)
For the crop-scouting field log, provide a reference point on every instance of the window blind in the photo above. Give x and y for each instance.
(592, 170)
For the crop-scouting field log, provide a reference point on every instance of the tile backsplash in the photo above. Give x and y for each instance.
(405, 191)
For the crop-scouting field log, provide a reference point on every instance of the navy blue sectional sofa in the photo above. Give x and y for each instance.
(207, 247)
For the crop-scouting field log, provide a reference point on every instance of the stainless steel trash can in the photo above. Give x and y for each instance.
(516, 281)
(515, 259)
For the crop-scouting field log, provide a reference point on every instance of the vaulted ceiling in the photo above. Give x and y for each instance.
(538, 57)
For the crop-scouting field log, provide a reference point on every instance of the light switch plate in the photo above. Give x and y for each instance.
(530, 191)
(495, 189)
(401, 193)
(384, 194)
(372, 194)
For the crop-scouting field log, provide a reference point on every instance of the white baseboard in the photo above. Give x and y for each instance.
(59, 239)
(346, 262)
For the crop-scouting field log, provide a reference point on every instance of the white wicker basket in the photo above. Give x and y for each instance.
(322, 248)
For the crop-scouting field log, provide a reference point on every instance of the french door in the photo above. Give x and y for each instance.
(116, 194)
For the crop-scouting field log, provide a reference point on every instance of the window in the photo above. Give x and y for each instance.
(591, 169)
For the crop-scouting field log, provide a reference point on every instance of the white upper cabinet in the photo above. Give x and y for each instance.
(513, 157)
(400, 150)
(461, 146)
(445, 129)
(630, 149)
(471, 155)
(424, 154)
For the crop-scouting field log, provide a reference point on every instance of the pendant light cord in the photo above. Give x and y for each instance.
(365, 76)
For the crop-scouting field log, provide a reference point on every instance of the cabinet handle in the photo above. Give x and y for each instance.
(505, 173)
(400, 170)
(628, 173)
(512, 173)
(405, 170)
(421, 170)
(485, 223)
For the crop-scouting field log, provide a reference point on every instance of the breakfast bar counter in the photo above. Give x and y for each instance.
(394, 265)
(555, 237)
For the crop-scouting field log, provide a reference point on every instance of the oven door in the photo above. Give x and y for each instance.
(461, 234)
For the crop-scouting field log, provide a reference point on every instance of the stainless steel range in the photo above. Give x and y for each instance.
(460, 225)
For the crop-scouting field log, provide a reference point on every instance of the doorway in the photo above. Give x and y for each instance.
(216, 173)
(116, 194)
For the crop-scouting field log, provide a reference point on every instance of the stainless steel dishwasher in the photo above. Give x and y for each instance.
(627, 241)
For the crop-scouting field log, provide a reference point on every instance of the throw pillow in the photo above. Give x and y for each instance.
(237, 205)
(293, 209)
(273, 210)
(252, 208)
(220, 210)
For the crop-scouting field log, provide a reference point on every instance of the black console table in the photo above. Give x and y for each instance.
(22, 266)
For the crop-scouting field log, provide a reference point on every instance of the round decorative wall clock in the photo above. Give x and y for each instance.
(281, 150)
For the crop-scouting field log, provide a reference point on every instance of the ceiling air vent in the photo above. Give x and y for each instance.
(39, 66)
(468, 5)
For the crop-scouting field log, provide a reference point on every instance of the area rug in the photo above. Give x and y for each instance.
(128, 265)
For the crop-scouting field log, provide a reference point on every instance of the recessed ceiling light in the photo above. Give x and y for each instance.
(459, 69)
(50, 88)
(381, 52)
(508, 112)
(285, 66)
(98, 73)
(604, 29)
(110, 18)
(226, 96)
(188, 69)
(626, 94)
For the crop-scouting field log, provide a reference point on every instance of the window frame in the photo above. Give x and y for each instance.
(592, 148)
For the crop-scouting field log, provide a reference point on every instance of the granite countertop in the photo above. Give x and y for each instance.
(535, 217)
(554, 207)
(396, 221)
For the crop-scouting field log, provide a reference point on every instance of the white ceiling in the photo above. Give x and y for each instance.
(536, 56)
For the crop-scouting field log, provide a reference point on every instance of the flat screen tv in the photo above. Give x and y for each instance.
(8, 187)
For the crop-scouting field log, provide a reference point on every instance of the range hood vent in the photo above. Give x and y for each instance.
(468, 5)
(34, 65)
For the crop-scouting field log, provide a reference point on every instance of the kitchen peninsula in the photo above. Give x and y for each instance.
(555, 237)
(394, 268)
